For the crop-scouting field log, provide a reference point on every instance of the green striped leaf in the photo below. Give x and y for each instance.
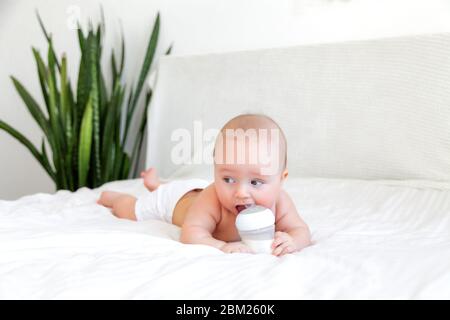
(47, 164)
(81, 38)
(108, 132)
(42, 73)
(95, 96)
(59, 146)
(114, 71)
(24, 141)
(49, 39)
(122, 55)
(84, 148)
(169, 50)
(64, 96)
(124, 174)
(84, 77)
(150, 53)
(32, 106)
(136, 155)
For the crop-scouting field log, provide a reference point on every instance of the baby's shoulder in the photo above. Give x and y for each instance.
(209, 194)
(284, 203)
(207, 199)
(283, 197)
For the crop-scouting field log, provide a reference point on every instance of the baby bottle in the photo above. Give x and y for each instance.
(256, 226)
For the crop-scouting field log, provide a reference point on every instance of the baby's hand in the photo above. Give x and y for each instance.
(233, 247)
(283, 243)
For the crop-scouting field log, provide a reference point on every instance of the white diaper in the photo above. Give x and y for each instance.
(160, 203)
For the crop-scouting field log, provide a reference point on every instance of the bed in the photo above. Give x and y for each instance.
(368, 129)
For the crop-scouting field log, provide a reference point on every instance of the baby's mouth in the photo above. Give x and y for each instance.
(241, 207)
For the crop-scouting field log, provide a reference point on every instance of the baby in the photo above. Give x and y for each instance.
(206, 212)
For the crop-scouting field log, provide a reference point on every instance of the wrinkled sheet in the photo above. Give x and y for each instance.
(372, 240)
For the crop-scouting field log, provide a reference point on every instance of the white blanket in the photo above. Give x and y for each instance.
(371, 240)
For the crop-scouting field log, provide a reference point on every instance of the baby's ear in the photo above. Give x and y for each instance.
(284, 175)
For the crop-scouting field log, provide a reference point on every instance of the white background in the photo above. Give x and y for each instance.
(195, 27)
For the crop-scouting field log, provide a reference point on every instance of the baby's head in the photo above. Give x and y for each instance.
(250, 158)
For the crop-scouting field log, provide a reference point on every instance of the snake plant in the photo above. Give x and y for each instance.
(87, 130)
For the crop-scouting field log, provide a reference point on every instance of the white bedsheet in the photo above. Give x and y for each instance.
(371, 240)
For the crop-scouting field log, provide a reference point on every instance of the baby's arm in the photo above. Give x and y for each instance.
(292, 232)
(201, 220)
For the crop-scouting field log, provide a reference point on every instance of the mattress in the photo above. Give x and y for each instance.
(371, 240)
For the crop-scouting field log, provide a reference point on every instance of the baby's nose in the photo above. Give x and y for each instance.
(242, 192)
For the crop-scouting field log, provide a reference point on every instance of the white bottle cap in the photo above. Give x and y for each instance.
(253, 218)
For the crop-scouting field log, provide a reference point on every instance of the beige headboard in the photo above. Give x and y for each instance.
(375, 109)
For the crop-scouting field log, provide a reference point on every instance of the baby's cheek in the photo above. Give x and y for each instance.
(222, 195)
(266, 198)
(226, 198)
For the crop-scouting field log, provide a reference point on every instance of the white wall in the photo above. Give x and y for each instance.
(194, 26)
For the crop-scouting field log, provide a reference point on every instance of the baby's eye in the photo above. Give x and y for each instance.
(256, 183)
(228, 180)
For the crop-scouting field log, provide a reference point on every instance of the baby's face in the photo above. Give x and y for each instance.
(240, 185)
